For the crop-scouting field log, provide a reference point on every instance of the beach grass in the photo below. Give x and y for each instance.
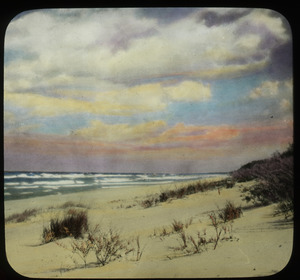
(22, 217)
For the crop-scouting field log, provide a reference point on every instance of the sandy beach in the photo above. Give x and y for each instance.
(258, 243)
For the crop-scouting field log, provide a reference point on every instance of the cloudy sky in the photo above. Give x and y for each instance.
(146, 90)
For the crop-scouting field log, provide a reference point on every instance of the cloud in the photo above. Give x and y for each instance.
(285, 105)
(125, 146)
(189, 91)
(265, 90)
(213, 17)
(39, 105)
(281, 92)
(120, 133)
(122, 46)
(156, 135)
(122, 102)
(182, 135)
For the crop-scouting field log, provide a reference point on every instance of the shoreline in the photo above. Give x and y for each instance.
(141, 190)
(120, 209)
(27, 185)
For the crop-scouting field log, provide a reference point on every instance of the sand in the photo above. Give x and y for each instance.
(260, 243)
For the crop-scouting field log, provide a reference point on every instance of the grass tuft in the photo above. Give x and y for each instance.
(73, 224)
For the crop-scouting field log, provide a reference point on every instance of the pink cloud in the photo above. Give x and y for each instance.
(180, 143)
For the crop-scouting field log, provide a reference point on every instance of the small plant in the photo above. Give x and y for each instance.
(183, 239)
(177, 226)
(216, 224)
(222, 220)
(139, 251)
(230, 212)
(199, 244)
(107, 246)
(188, 222)
(74, 224)
(82, 248)
(21, 217)
(191, 245)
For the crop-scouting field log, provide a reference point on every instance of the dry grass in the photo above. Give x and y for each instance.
(21, 217)
(230, 212)
(177, 226)
(71, 204)
(181, 192)
(189, 244)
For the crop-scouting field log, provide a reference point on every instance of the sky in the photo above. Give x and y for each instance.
(177, 90)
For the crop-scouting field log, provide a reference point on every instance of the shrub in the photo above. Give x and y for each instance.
(82, 248)
(73, 224)
(149, 202)
(107, 246)
(274, 180)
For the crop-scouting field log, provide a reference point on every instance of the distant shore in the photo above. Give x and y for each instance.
(256, 237)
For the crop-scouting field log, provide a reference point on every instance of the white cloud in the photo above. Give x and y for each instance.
(189, 91)
(112, 133)
(266, 89)
(248, 42)
(285, 105)
(119, 46)
(121, 102)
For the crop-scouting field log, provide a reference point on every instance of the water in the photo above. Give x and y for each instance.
(19, 185)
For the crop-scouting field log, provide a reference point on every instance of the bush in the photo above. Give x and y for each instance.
(73, 224)
(107, 246)
(275, 180)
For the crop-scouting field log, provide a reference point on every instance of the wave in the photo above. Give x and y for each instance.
(43, 183)
(24, 187)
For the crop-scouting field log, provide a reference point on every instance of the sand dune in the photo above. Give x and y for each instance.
(260, 244)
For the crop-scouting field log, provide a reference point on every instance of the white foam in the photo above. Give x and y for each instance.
(115, 180)
(26, 187)
(11, 184)
(60, 182)
(24, 175)
(66, 186)
(10, 176)
(26, 192)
